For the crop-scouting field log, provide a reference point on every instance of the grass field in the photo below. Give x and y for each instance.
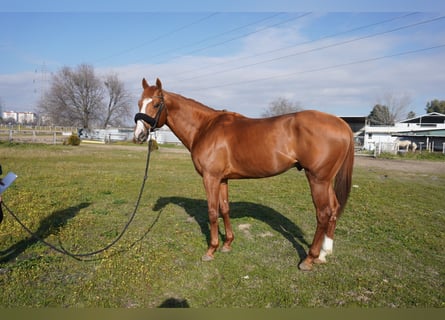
(388, 252)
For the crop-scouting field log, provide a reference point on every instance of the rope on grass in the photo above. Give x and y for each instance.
(85, 256)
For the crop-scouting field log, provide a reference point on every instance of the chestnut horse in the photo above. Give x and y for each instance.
(226, 145)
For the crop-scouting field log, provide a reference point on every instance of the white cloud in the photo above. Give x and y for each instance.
(310, 77)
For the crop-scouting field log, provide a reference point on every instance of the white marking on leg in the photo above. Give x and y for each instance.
(328, 244)
(322, 256)
(326, 248)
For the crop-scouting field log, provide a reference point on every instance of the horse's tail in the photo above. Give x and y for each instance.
(343, 179)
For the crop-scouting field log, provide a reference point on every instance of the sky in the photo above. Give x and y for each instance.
(239, 57)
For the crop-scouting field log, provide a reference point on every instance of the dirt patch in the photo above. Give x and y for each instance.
(437, 167)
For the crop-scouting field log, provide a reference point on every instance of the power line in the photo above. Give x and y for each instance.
(316, 49)
(167, 34)
(249, 33)
(328, 67)
(218, 35)
(231, 39)
(298, 44)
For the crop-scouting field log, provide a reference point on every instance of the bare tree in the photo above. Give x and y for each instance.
(1, 109)
(397, 104)
(118, 107)
(74, 98)
(78, 97)
(281, 106)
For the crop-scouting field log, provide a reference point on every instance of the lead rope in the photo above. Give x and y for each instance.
(82, 256)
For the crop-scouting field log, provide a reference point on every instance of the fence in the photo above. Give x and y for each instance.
(57, 135)
(385, 147)
(48, 135)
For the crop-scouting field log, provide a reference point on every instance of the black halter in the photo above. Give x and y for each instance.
(153, 122)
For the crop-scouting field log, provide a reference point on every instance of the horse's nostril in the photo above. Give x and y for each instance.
(142, 137)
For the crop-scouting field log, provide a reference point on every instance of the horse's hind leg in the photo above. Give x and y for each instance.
(326, 206)
(328, 239)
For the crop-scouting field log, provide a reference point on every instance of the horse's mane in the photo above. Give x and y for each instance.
(190, 100)
(203, 106)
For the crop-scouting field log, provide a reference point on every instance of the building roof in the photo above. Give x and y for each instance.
(432, 117)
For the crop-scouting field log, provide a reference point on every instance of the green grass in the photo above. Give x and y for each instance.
(388, 250)
(424, 155)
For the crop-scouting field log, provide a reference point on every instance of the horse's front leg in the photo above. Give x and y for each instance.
(225, 210)
(212, 187)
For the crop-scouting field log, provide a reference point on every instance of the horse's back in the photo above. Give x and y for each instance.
(314, 118)
(285, 133)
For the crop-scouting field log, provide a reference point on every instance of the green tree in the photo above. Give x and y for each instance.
(380, 115)
(411, 115)
(435, 106)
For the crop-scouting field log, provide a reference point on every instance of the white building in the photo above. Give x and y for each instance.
(9, 115)
(427, 131)
(165, 135)
(19, 117)
(26, 117)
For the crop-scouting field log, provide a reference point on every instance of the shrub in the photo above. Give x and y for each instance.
(154, 145)
(73, 140)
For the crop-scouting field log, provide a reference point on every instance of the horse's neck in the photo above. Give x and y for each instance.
(186, 117)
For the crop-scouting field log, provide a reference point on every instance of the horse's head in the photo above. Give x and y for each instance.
(151, 111)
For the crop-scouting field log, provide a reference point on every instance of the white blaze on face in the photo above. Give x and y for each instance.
(140, 127)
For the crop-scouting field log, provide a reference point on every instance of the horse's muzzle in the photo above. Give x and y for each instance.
(141, 132)
(142, 116)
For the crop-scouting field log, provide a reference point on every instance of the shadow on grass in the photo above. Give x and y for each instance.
(174, 303)
(48, 226)
(197, 209)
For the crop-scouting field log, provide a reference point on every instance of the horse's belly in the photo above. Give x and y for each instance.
(259, 165)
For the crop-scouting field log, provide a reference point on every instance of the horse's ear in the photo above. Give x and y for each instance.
(144, 83)
(158, 84)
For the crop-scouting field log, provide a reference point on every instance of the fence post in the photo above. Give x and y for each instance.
(54, 139)
(10, 135)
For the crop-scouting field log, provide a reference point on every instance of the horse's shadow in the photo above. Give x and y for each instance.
(197, 209)
(48, 226)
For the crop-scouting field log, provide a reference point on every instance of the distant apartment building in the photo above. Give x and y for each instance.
(19, 117)
(9, 116)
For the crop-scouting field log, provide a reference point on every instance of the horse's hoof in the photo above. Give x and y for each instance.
(226, 249)
(321, 258)
(320, 261)
(304, 266)
(206, 258)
